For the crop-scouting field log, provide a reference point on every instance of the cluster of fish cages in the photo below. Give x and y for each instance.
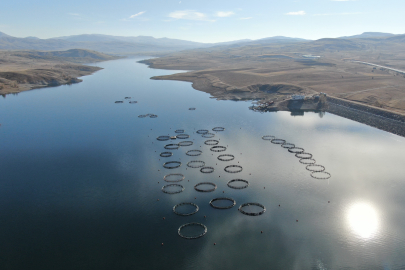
(316, 171)
(174, 187)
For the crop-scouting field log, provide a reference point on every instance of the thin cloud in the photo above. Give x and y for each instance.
(191, 15)
(338, 14)
(137, 14)
(224, 13)
(246, 18)
(296, 13)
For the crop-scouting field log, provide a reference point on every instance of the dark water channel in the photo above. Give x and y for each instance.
(81, 179)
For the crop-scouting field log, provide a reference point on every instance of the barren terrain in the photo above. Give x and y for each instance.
(26, 70)
(275, 72)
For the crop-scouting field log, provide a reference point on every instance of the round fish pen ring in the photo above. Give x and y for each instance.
(196, 164)
(172, 146)
(178, 177)
(208, 135)
(303, 155)
(278, 141)
(205, 190)
(218, 148)
(142, 116)
(172, 192)
(211, 142)
(238, 180)
(163, 138)
(229, 170)
(191, 109)
(172, 164)
(192, 224)
(223, 199)
(186, 214)
(252, 214)
(296, 150)
(179, 131)
(207, 169)
(315, 168)
(320, 175)
(193, 153)
(288, 145)
(153, 116)
(226, 157)
(182, 136)
(307, 161)
(268, 137)
(202, 131)
(218, 129)
(166, 154)
(185, 143)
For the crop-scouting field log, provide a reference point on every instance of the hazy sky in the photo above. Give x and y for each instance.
(202, 20)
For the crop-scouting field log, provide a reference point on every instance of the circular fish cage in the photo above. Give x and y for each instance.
(165, 189)
(226, 157)
(307, 161)
(179, 131)
(196, 164)
(229, 184)
(202, 131)
(211, 142)
(185, 143)
(172, 164)
(192, 224)
(173, 177)
(303, 155)
(233, 169)
(182, 136)
(193, 153)
(207, 169)
(278, 141)
(296, 150)
(223, 199)
(268, 137)
(320, 175)
(153, 116)
(166, 154)
(133, 102)
(142, 116)
(288, 145)
(218, 148)
(163, 138)
(250, 213)
(172, 146)
(185, 214)
(191, 109)
(214, 187)
(315, 168)
(208, 135)
(218, 129)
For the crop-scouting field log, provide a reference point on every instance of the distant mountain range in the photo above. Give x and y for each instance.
(149, 45)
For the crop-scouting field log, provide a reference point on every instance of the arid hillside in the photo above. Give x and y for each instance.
(325, 65)
(25, 70)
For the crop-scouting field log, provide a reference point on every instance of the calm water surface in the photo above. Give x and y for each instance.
(81, 177)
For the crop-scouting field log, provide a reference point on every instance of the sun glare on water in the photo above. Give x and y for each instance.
(363, 220)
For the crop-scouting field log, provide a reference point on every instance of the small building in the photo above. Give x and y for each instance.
(297, 97)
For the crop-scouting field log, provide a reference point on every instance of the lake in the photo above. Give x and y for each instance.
(81, 182)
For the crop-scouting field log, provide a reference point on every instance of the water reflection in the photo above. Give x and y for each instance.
(363, 220)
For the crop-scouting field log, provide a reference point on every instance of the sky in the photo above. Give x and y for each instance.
(202, 20)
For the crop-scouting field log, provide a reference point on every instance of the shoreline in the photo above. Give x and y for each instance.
(382, 119)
